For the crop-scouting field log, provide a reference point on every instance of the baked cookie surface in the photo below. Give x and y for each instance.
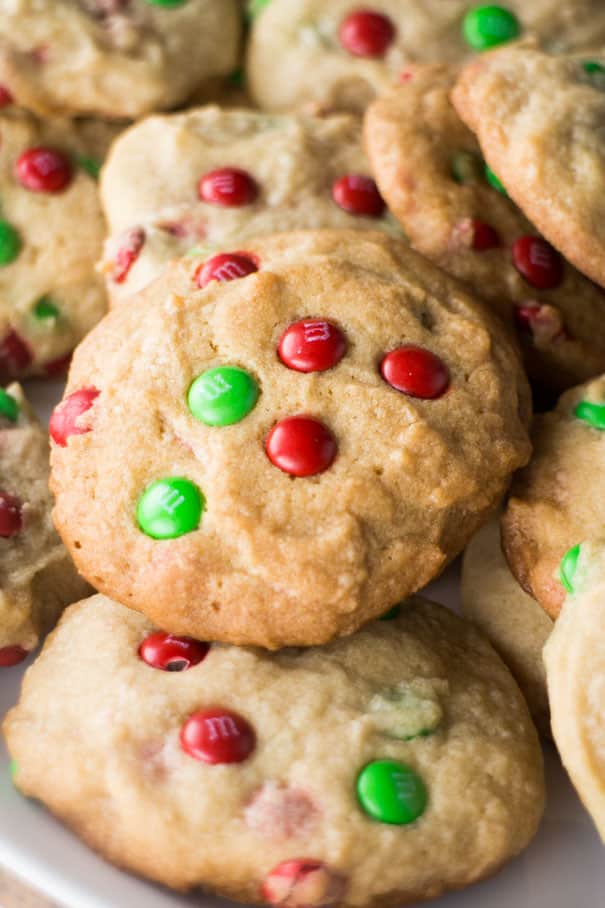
(37, 576)
(51, 236)
(550, 157)
(575, 666)
(513, 622)
(329, 429)
(552, 508)
(210, 176)
(355, 53)
(113, 58)
(407, 763)
(430, 170)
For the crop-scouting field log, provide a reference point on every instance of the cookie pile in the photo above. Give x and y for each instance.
(305, 307)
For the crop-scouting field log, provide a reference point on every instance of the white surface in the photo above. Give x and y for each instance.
(563, 868)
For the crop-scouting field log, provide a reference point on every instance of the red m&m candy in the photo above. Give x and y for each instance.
(65, 420)
(415, 371)
(10, 515)
(218, 735)
(44, 170)
(312, 345)
(484, 236)
(228, 266)
(12, 655)
(15, 356)
(303, 883)
(129, 251)
(365, 33)
(301, 446)
(538, 262)
(359, 195)
(228, 186)
(172, 654)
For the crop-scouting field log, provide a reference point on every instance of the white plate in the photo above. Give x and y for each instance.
(563, 868)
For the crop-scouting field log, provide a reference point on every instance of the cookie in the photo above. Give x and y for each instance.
(542, 143)
(337, 56)
(408, 764)
(210, 176)
(554, 501)
(430, 171)
(512, 621)
(37, 576)
(114, 58)
(51, 236)
(575, 667)
(277, 458)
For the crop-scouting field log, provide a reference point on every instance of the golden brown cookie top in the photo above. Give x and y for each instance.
(431, 172)
(554, 502)
(113, 58)
(549, 156)
(397, 762)
(341, 420)
(37, 578)
(575, 666)
(210, 176)
(51, 236)
(338, 54)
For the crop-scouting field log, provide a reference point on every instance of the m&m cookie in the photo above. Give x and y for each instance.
(511, 620)
(404, 765)
(38, 576)
(555, 501)
(575, 668)
(550, 157)
(114, 58)
(299, 431)
(455, 210)
(338, 54)
(51, 235)
(209, 176)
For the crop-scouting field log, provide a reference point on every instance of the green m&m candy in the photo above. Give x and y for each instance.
(222, 396)
(255, 7)
(45, 311)
(593, 414)
(13, 769)
(567, 568)
(167, 3)
(493, 180)
(487, 26)
(9, 407)
(10, 243)
(89, 165)
(391, 792)
(170, 507)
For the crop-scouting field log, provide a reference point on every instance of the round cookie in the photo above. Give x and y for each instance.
(512, 621)
(355, 53)
(278, 458)
(114, 58)
(211, 176)
(407, 763)
(575, 667)
(51, 236)
(543, 143)
(37, 576)
(554, 502)
(429, 169)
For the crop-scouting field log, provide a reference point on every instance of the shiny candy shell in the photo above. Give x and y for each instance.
(301, 446)
(170, 507)
(415, 371)
(592, 413)
(44, 170)
(229, 187)
(222, 396)
(66, 418)
(366, 33)
(172, 654)
(11, 520)
(228, 266)
(391, 792)
(218, 735)
(312, 345)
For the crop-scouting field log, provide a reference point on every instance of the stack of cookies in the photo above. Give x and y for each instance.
(309, 395)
